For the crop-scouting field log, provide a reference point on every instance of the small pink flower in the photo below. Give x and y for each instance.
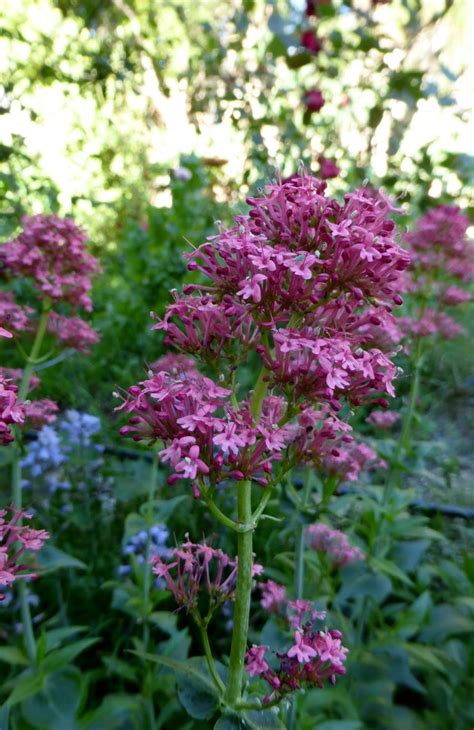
(250, 288)
(255, 662)
(191, 465)
(229, 440)
(273, 596)
(310, 41)
(328, 168)
(383, 419)
(302, 651)
(314, 100)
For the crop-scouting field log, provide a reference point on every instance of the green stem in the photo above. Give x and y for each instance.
(16, 478)
(34, 354)
(404, 439)
(299, 563)
(259, 393)
(27, 622)
(147, 575)
(299, 571)
(242, 596)
(210, 659)
(414, 391)
(245, 559)
(218, 514)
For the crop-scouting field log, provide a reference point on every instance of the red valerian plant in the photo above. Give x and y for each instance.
(50, 259)
(442, 263)
(304, 286)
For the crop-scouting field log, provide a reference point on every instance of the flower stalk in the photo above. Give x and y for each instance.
(16, 477)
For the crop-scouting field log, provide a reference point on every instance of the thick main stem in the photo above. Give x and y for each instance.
(242, 596)
(16, 479)
(244, 572)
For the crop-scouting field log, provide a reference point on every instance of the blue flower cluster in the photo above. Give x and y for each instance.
(80, 428)
(53, 457)
(154, 541)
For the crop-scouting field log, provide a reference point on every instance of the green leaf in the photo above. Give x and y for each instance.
(117, 712)
(13, 655)
(297, 60)
(199, 699)
(229, 723)
(56, 704)
(186, 669)
(196, 690)
(165, 621)
(120, 668)
(263, 720)
(445, 621)
(25, 686)
(4, 717)
(363, 585)
(51, 558)
(55, 637)
(407, 554)
(391, 569)
(341, 725)
(64, 656)
(425, 656)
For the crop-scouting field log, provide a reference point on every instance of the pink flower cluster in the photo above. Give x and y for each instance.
(438, 243)
(11, 411)
(12, 316)
(183, 411)
(442, 258)
(347, 461)
(15, 539)
(73, 332)
(273, 596)
(315, 657)
(383, 419)
(193, 568)
(308, 285)
(334, 543)
(323, 440)
(35, 413)
(51, 251)
(15, 374)
(40, 412)
(327, 168)
(431, 322)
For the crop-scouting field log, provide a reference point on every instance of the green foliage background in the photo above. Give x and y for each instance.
(148, 121)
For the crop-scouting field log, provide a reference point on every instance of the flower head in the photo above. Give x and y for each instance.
(334, 543)
(310, 41)
(51, 251)
(314, 100)
(11, 412)
(192, 568)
